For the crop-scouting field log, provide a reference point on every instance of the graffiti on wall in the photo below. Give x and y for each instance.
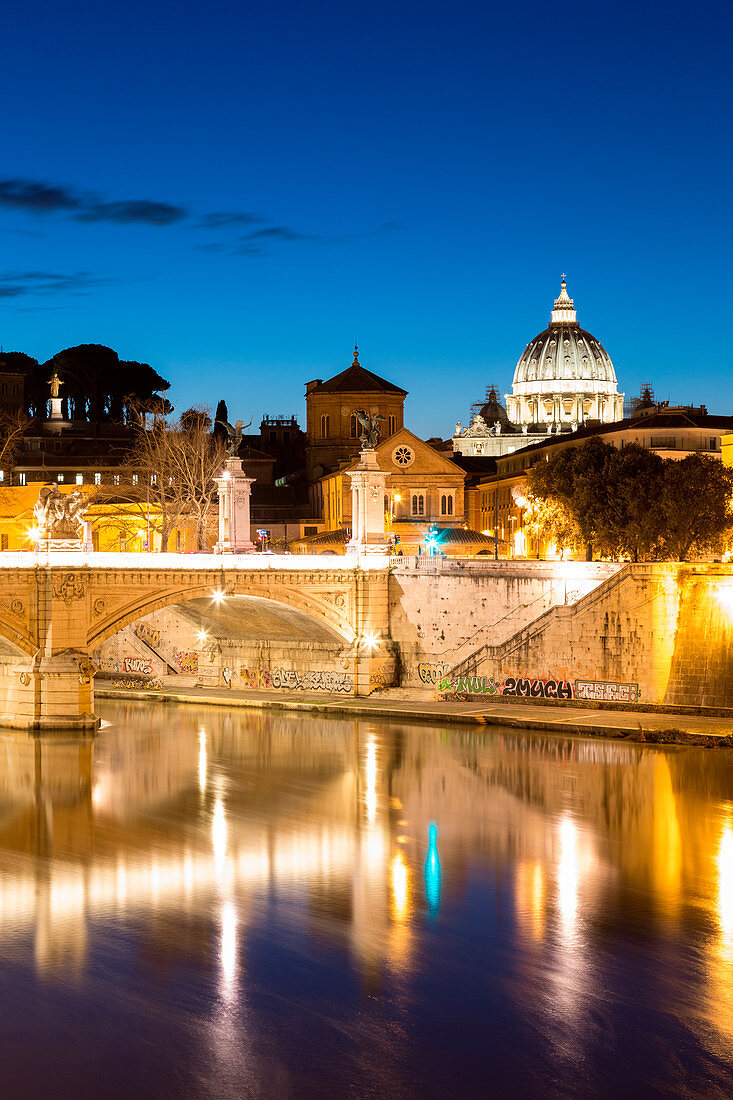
(430, 673)
(137, 664)
(186, 661)
(607, 692)
(148, 634)
(529, 687)
(537, 689)
(287, 679)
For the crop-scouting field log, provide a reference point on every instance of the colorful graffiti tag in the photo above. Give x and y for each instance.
(289, 680)
(186, 661)
(148, 634)
(528, 687)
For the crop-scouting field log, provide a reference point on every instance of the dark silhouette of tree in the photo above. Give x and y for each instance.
(21, 363)
(98, 385)
(220, 418)
(195, 420)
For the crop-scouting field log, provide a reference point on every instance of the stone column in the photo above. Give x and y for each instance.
(57, 691)
(234, 489)
(368, 487)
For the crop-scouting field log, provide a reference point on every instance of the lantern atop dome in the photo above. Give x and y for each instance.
(564, 312)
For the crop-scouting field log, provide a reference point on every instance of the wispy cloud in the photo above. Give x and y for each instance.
(43, 199)
(36, 197)
(254, 244)
(141, 211)
(225, 219)
(16, 284)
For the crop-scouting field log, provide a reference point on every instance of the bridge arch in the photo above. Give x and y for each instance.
(331, 610)
(15, 642)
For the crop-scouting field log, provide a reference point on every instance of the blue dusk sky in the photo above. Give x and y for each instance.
(236, 192)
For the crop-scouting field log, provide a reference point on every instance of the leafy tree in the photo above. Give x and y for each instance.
(630, 502)
(696, 506)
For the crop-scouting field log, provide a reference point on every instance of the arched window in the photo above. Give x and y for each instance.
(450, 506)
(353, 427)
(324, 426)
(392, 425)
(443, 505)
(418, 504)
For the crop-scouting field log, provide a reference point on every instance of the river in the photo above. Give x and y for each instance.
(211, 903)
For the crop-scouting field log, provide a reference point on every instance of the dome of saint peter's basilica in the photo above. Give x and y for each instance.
(564, 377)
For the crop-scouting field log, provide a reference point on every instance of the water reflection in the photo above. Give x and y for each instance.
(579, 885)
(432, 871)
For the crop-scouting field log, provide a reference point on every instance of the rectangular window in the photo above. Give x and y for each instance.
(80, 479)
(353, 427)
(97, 479)
(2, 476)
(116, 479)
(310, 530)
(59, 477)
(21, 479)
(134, 479)
(713, 443)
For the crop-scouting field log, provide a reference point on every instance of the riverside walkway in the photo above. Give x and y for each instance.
(415, 705)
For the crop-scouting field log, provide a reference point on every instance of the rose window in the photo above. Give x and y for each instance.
(403, 456)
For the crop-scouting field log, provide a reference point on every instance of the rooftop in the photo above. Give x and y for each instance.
(355, 379)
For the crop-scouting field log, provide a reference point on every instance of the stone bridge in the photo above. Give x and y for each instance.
(57, 608)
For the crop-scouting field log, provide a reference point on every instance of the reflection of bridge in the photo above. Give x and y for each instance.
(55, 609)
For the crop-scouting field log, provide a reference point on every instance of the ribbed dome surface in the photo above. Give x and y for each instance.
(565, 351)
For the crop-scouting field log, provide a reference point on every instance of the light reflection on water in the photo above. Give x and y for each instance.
(274, 905)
